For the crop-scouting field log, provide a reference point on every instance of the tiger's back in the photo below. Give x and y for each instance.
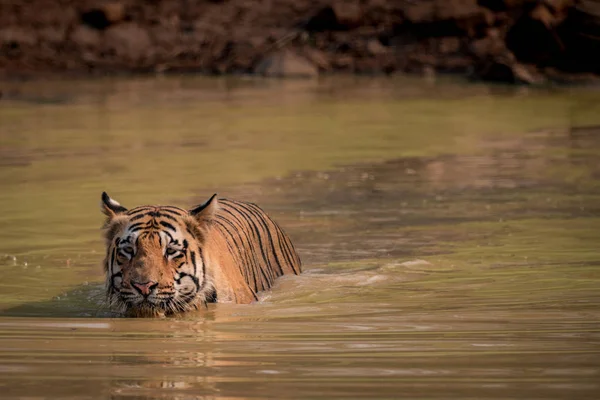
(250, 247)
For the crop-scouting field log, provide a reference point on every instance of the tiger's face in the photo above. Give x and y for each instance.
(154, 261)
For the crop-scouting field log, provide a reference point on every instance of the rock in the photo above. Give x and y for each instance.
(85, 37)
(489, 46)
(507, 70)
(334, 17)
(103, 15)
(580, 34)
(218, 36)
(543, 14)
(128, 41)
(491, 18)
(322, 21)
(373, 65)
(344, 62)
(449, 45)
(533, 39)
(589, 7)
(428, 73)
(527, 74)
(90, 57)
(374, 47)
(501, 5)
(572, 78)
(52, 35)
(15, 36)
(38, 13)
(439, 18)
(457, 9)
(424, 58)
(165, 37)
(428, 11)
(559, 6)
(284, 64)
(494, 71)
(455, 64)
(239, 56)
(318, 58)
(348, 14)
(114, 12)
(420, 11)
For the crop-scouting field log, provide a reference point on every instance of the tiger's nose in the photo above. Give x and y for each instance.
(144, 288)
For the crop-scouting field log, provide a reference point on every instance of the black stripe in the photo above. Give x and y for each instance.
(289, 246)
(246, 207)
(195, 279)
(168, 226)
(249, 221)
(267, 280)
(248, 255)
(285, 250)
(158, 214)
(167, 216)
(280, 245)
(112, 259)
(219, 223)
(289, 243)
(233, 253)
(139, 216)
(136, 225)
(283, 244)
(139, 210)
(201, 254)
(170, 236)
(249, 263)
(260, 216)
(172, 210)
(193, 258)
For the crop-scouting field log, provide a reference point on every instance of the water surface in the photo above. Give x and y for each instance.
(449, 234)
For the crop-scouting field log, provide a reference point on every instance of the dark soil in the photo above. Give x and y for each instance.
(498, 40)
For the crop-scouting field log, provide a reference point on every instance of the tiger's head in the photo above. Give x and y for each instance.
(154, 260)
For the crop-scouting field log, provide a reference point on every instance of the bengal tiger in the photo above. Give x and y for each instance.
(162, 260)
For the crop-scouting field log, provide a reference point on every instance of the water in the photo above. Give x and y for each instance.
(449, 234)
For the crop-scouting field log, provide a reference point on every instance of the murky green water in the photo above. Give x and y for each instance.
(450, 235)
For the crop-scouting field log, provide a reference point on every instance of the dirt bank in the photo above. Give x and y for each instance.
(502, 40)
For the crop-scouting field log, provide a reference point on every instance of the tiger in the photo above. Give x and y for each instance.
(164, 260)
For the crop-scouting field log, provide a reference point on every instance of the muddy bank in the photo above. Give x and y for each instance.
(498, 40)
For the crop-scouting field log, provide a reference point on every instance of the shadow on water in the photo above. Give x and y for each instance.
(80, 302)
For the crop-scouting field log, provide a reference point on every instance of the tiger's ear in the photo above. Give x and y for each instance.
(111, 208)
(205, 212)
